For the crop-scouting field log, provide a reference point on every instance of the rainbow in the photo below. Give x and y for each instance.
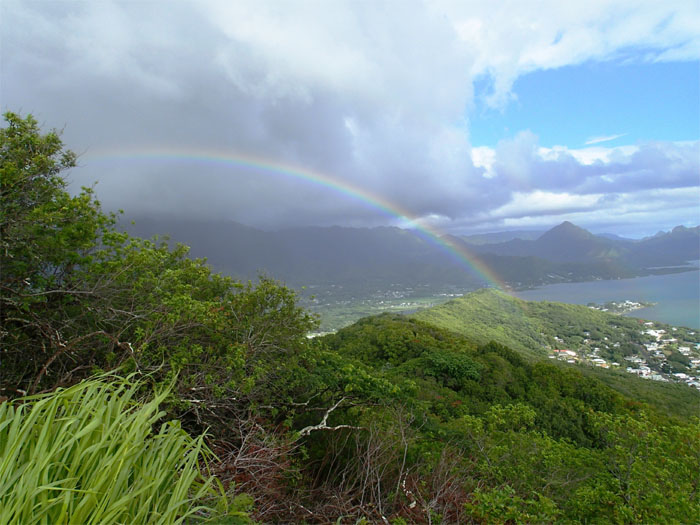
(264, 166)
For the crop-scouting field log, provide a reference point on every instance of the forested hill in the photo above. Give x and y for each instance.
(538, 437)
(529, 326)
(603, 344)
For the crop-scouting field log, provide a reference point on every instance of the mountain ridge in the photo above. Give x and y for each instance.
(390, 255)
(568, 243)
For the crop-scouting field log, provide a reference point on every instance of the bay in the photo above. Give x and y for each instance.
(677, 296)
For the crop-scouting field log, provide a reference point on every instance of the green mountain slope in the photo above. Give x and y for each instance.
(489, 315)
(450, 375)
(484, 429)
(537, 329)
(530, 326)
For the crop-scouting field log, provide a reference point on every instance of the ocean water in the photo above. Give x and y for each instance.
(677, 296)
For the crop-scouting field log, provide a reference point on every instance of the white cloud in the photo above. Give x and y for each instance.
(373, 94)
(514, 37)
(484, 157)
(635, 214)
(591, 155)
(538, 203)
(606, 138)
(651, 182)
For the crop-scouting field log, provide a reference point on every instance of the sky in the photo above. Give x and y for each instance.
(464, 116)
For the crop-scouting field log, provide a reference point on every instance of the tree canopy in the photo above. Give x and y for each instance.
(79, 296)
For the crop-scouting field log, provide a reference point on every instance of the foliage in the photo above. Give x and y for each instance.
(78, 296)
(503, 505)
(671, 399)
(45, 234)
(529, 441)
(91, 452)
(532, 328)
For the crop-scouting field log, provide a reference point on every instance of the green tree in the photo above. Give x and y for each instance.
(45, 236)
(79, 296)
(651, 472)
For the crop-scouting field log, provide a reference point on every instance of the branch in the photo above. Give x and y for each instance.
(66, 347)
(323, 425)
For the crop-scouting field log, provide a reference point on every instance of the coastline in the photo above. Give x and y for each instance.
(676, 296)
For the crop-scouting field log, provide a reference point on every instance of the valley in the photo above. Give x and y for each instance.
(338, 307)
(344, 274)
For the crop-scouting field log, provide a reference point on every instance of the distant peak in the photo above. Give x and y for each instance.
(566, 225)
(685, 229)
(567, 229)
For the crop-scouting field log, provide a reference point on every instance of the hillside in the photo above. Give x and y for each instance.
(496, 237)
(607, 345)
(529, 326)
(365, 259)
(489, 315)
(668, 248)
(487, 405)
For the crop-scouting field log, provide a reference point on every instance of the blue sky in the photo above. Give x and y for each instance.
(470, 115)
(639, 101)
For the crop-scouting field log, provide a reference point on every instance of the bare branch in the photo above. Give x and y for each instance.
(323, 425)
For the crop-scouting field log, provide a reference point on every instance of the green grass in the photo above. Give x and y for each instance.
(90, 454)
(488, 315)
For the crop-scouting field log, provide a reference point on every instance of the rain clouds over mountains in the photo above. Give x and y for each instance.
(392, 256)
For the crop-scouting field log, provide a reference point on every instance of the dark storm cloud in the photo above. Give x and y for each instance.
(372, 96)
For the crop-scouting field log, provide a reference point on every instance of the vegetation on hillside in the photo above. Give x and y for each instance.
(536, 328)
(529, 326)
(390, 420)
(92, 454)
(525, 440)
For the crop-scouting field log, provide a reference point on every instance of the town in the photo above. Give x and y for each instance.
(657, 351)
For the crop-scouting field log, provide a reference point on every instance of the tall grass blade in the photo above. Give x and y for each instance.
(88, 454)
